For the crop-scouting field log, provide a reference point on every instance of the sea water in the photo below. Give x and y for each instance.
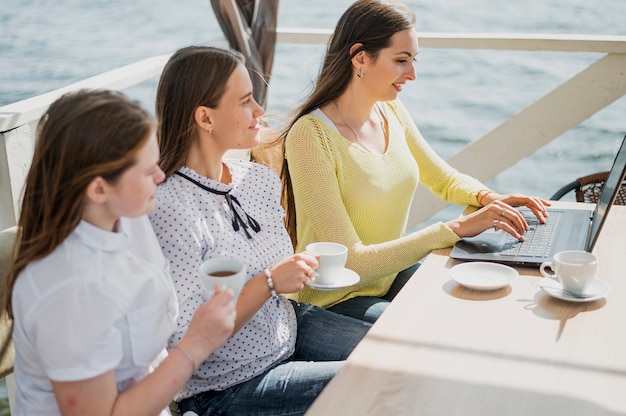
(459, 95)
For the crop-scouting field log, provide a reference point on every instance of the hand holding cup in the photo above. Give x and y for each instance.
(332, 261)
(211, 326)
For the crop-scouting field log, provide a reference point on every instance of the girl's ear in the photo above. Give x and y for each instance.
(96, 191)
(359, 59)
(203, 118)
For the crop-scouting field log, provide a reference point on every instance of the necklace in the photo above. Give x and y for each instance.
(356, 135)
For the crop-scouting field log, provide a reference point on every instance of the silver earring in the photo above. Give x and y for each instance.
(210, 130)
(359, 72)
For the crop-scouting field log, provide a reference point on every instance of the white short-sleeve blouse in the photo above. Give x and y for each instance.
(100, 301)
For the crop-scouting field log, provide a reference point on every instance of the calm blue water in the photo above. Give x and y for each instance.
(459, 95)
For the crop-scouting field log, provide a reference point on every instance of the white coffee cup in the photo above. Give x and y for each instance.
(574, 269)
(332, 261)
(226, 272)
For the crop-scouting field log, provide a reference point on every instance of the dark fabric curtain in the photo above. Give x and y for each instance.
(250, 27)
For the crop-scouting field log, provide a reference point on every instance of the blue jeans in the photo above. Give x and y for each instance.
(369, 308)
(324, 341)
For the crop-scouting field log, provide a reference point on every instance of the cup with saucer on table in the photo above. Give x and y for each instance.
(572, 277)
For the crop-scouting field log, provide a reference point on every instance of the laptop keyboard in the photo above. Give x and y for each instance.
(539, 238)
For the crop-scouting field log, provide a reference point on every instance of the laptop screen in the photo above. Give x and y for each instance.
(608, 195)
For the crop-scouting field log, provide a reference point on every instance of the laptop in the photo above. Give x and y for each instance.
(565, 229)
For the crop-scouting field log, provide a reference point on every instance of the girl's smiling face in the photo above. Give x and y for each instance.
(393, 67)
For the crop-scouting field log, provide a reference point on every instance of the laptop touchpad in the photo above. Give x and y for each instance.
(487, 242)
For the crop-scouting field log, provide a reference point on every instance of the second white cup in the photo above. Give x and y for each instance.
(226, 272)
(574, 269)
(332, 261)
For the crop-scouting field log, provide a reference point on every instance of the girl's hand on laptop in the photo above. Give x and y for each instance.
(497, 215)
(535, 204)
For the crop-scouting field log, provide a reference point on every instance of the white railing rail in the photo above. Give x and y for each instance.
(502, 41)
(586, 93)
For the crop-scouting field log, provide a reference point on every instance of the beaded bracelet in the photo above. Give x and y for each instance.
(188, 356)
(270, 283)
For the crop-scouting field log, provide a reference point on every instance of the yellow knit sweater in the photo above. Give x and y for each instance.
(350, 196)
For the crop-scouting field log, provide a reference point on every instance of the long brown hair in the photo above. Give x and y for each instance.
(83, 135)
(193, 76)
(371, 23)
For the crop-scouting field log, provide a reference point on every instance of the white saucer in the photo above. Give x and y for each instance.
(598, 289)
(481, 275)
(347, 278)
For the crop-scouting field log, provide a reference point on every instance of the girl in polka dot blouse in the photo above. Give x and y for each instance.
(282, 353)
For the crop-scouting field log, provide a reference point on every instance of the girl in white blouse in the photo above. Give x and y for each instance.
(92, 299)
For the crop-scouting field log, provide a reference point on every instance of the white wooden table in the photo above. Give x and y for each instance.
(441, 349)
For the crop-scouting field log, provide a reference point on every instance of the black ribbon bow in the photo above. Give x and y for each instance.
(231, 200)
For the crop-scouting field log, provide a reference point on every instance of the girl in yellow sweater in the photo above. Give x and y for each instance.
(354, 157)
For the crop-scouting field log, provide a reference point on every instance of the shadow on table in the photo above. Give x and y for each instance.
(399, 394)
